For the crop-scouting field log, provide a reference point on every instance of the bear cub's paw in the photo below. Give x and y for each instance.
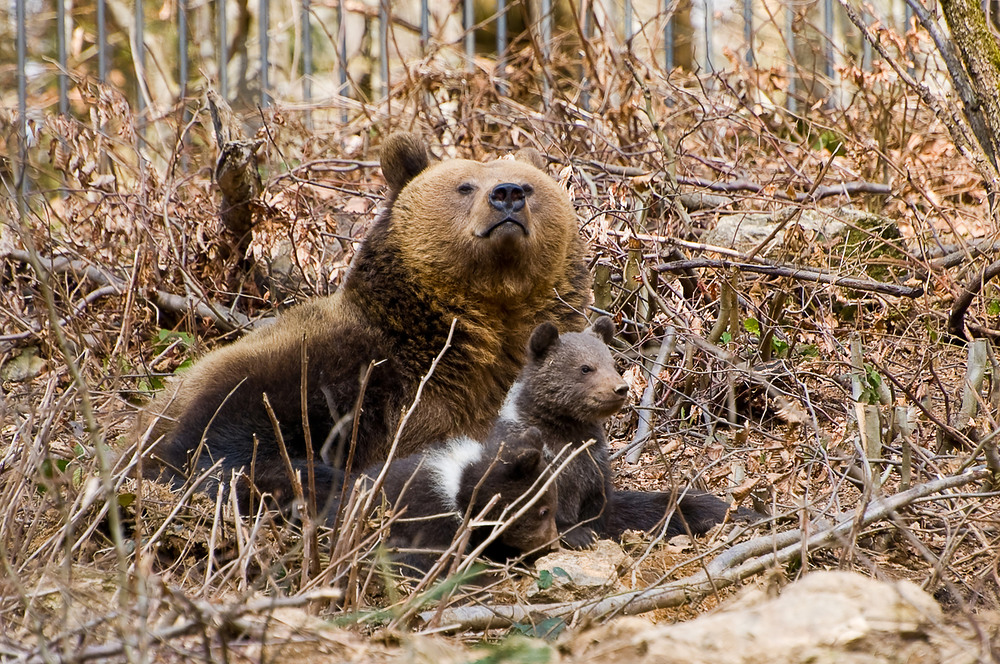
(580, 537)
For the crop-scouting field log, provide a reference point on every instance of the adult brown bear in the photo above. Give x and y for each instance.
(492, 246)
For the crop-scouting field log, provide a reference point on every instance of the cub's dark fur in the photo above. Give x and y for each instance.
(692, 510)
(437, 488)
(568, 389)
(492, 246)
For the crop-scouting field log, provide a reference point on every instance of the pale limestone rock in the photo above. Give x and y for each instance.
(579, 574)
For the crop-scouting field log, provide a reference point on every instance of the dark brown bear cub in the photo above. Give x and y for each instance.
(568, 389)
(464, 254)
(439, 487)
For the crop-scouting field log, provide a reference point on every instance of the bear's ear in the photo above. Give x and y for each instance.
(604, 327)
(402, 157)
(531, 438)
(525, 462)
(542, 339)
(533, 157)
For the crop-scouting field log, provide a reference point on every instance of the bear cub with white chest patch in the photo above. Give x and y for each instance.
(439, 487)
(568, 389)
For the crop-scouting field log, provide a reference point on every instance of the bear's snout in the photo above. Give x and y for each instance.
(507, 198)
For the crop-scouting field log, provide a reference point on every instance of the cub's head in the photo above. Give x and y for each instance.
(573, 375)
(516, 475)
(502, 228)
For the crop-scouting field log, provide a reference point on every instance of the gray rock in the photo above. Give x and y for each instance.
(745, 230)
(825, 617)
(23, 367)
(570, 575)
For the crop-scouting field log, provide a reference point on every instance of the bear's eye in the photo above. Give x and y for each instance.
(528, 189)
(544, 512)
(586, 369)
(466, 188)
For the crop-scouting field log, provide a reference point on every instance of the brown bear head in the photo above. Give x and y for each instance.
(501, 229)
(574, 374)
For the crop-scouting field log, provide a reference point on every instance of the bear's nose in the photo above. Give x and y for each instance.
(622, 390)
(507, 197)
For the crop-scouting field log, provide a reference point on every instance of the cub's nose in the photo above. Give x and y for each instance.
(622, 390)
(507, 197)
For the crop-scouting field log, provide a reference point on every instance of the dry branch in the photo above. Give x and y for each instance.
(965, 125)
(645, 407)
(739, 562)
(235, 173)
(842, 189)
(205, 617)
(956, 320)
(225, 320)
(974, 250)
(794, 272)
(817, 193)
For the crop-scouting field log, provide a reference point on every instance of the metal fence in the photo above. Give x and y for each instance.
(304, 51)
(631, 20)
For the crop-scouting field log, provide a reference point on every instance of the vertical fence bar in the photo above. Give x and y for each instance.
(502, 44)
(709, 36)
(790, 103)
(223, 49)
(22, 108)
(546, 26)
(546, 38)
(182, 42)
(263, 21)
(182, 65)
(748, 30)
(307, 56)
(588, 30)
(866, 47)
(61, 39)
(828, 44)
(383, 46)
(140, 74)
(342, 59)
(908, 17)
(102, 43)
(468, 21)
(425, 26)
(668, 36)
(307, 61)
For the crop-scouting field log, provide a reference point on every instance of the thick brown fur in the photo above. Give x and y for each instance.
(446, 247)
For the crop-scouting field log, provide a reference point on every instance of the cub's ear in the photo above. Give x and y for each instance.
(604, 327)
(533, 157)
(525, 462)
(542, 339)
(403, 157)
(531, 438)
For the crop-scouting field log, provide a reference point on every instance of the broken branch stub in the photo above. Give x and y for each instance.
(235, 174)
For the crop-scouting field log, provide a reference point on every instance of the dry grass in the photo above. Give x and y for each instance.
(97, 566)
